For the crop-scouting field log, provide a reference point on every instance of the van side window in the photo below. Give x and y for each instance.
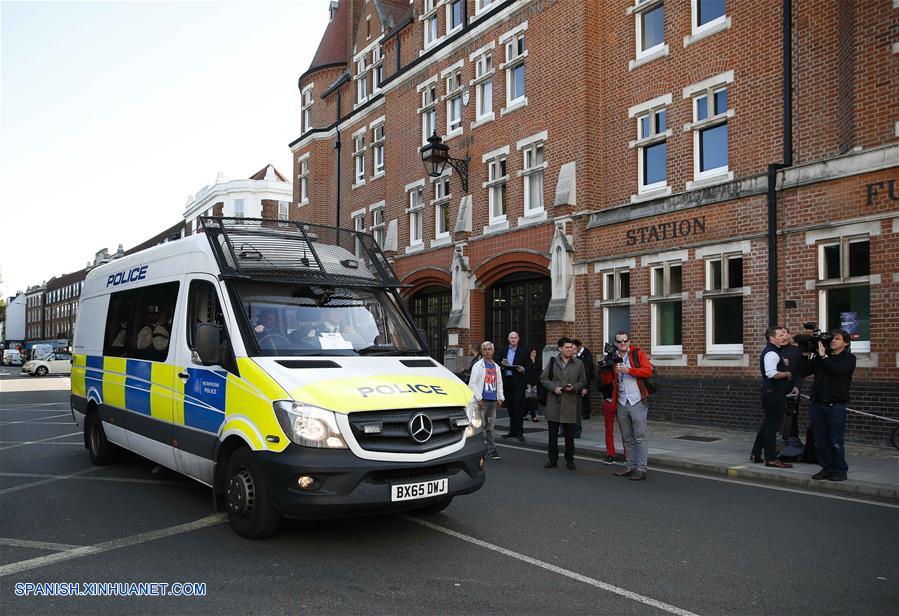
(203, 307)
(139, 322)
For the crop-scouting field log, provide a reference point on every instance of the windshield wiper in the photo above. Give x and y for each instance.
(376, 349)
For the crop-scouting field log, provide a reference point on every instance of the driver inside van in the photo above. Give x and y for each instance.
(268, 324)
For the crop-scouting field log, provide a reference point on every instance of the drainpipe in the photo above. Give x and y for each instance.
(773, 168)
(337, 158)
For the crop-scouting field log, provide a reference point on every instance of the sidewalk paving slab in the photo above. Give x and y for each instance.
(873, 472)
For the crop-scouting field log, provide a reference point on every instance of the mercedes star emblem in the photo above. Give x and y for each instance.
(421, 427)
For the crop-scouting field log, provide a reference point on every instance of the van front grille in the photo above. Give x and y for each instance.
(395, 436)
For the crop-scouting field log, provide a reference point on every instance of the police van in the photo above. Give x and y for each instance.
(275, 362)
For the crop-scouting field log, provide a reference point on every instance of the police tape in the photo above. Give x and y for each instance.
(110, 589)
(857, 412)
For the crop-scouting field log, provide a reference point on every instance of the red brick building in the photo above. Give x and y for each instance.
(619, 161)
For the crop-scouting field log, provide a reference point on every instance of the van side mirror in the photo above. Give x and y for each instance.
(208, 343)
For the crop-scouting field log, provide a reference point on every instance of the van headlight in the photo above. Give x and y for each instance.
(475, 418)
(309, 426)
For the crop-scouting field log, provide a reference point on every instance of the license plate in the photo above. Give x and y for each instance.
(422, 489)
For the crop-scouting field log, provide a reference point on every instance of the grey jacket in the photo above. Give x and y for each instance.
(563, 408)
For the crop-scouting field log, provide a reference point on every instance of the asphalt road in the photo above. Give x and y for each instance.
(533, 541)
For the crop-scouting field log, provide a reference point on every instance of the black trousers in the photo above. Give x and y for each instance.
(568, 429)
(585, 401)
(514, 395)
(773, 405)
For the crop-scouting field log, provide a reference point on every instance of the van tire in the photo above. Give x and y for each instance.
(247, 499)
(436, 507)
(102, 452)
(41, 371)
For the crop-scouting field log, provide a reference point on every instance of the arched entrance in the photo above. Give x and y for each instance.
(430, 309)
(518, 302)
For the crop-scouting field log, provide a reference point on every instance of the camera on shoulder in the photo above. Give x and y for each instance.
(809, 340)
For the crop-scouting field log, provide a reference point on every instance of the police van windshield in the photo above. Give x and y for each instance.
(301, 319)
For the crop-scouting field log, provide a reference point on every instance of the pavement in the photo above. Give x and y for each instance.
(873, 471)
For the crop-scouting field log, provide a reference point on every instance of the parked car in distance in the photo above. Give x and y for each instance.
(51, 363)
(11, 357)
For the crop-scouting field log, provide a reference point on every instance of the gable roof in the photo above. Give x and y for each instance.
(260, 175)
(392, 12)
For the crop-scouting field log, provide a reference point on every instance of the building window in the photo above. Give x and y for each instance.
(428, 111)
(377, 147)
(707, 14)
(368, 27)
(844, 288)
(666, 285)
(441, 203)
(455, 14)
(430, 22)
(515, 55)
(533, 178)
(361, 81)
(483, 83)
(377, 68)
(482, 5)
(454, 102)
(650, 23)
(710, 133)
(359, 157)
(359, 225)
(496, 189)
(416, 208)
(652, 150)
(307, 109)
(283, 210)
(304, 180)
(238, 208)
(616, 295)
(377, 224)
(724, 304)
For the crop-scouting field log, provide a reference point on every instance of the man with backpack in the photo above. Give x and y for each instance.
(629, 389)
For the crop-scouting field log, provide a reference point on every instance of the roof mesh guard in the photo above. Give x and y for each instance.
(291, 251)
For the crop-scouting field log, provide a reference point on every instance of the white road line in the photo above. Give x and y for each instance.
(39, 420)
(90, 550)
(114, 479)
(64, 444)
(37, 545)
(34, 484)
(43, 440)
(671, 609)
(750, 484)
(30, 405)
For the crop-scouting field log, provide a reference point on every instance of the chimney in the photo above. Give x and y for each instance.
(219, 177)
(332, 10)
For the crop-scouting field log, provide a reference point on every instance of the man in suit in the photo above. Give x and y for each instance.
(586, 357)
(512, 360)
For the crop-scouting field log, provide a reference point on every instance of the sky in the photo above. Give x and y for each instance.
(112, 113)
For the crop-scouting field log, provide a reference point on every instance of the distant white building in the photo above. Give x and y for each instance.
(265, 194)
(14, 330)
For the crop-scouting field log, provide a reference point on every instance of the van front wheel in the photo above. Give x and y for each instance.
(247, 500)
(102, 452)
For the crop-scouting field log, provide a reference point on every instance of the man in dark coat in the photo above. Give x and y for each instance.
(513, 359)
(564, 379)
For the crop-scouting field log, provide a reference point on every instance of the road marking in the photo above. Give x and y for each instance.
(38, 420)
(671, 609)
(90, 550)
(64, 444)
(43, 440)
(30, 405)
(38, 545)
(34, 484)
(735, 481)
(116, 479)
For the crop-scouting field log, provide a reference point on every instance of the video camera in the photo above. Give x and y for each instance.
(809, 341)
(610, 357)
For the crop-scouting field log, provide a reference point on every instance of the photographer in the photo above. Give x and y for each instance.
(564, 378)
(796, 364)
(606, 387)
(830, 394)
(775, 384)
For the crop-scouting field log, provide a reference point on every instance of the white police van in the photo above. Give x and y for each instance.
(276, 362)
